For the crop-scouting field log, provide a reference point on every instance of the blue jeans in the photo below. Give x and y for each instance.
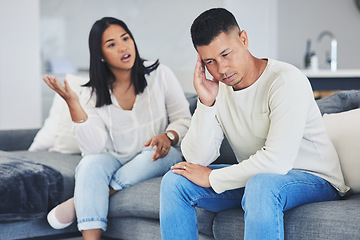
(264, 199)
(96, 172)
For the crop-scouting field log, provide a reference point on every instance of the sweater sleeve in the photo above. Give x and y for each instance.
(177, 106)
(288, 103)
(202, 142)
(92, 134)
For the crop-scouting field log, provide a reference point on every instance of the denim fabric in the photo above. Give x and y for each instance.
(264, 199)
(96, 172)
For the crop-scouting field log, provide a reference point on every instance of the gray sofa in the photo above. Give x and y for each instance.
(134, 212)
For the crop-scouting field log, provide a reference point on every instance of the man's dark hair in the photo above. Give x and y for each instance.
(101, 78)
(210, 24)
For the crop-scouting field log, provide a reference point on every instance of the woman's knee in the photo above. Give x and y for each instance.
(95, 165)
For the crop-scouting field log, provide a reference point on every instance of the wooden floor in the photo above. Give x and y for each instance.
(322, 94)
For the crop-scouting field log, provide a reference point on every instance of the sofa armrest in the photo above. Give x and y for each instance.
(12, 140)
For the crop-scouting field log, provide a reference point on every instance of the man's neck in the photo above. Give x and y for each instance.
(255, 68)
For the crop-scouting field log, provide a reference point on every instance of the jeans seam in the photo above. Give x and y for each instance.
(278, 222)
(84, 220)
(297, 182)
(122, 186)
(218, 196)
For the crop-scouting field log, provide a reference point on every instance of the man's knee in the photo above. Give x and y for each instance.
(260, 189)
(262, 182)
(172, 182)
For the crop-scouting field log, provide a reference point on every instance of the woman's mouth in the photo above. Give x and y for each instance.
(126, 58)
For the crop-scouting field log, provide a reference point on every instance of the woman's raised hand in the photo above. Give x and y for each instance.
(64, 91)
(72, 99)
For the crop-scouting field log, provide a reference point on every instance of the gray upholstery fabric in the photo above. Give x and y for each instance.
(143, 200)
(12, 140)
(140, 200)
(64, 163)
(138, 229)
(32, 229)
(324, 220)
(339, 102)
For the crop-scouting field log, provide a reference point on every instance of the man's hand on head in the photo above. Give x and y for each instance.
(206, 89)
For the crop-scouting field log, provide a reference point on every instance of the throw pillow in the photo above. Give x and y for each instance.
(45, 137)
(56, 134)
(344, 131)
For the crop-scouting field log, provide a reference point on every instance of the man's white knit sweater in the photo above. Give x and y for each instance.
(273, 126)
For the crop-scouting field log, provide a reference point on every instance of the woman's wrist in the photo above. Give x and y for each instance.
(172, 136)
(78, 115)
(81, 120)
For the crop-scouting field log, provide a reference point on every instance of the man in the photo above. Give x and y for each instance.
(267, 111)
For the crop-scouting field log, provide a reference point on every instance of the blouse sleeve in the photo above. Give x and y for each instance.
(91, 134)
(177, 106)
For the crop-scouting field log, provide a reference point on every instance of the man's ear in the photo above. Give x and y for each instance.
(244, 38)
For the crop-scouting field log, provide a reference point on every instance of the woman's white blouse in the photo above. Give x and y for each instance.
(161, 107)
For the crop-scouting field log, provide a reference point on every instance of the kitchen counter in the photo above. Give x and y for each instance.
(342, 79)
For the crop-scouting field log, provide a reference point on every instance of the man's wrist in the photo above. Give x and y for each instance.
(207, 103)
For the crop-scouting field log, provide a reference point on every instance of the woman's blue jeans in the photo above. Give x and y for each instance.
(95, 173)
(264, 199)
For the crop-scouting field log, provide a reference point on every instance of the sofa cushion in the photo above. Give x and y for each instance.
(323, 220)
(28, 190)
(143, 201)
(344, 131)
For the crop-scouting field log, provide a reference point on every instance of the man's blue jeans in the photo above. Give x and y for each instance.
(96, 172)
(264, 199)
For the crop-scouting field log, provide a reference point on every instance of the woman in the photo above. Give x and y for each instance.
(129, 131)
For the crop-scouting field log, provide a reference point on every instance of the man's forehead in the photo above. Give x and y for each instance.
(216, 48)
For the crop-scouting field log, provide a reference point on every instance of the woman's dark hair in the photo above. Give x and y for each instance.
(210, 24)
(101, 78)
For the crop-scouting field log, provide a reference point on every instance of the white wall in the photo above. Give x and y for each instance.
(276, 28)
(306, 19)
(259, 19)
(20, 91)
(161, 29)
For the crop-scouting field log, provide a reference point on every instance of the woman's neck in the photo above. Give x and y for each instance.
(122, 79)
(124, 90)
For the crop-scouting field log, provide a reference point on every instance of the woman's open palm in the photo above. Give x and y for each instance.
(64, 91)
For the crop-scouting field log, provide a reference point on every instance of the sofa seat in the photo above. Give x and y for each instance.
(143, 201)
(325, 220)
